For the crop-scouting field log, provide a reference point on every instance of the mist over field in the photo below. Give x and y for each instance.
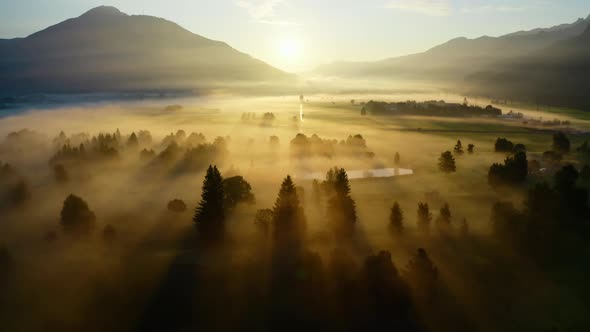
(196, 188)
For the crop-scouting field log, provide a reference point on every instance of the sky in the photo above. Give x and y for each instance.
(297, 35)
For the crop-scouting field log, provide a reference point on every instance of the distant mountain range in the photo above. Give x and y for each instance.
(547, 66)
(105, 50)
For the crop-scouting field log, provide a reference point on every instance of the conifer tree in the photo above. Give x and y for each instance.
(446, 162)
(396, 219)
(341, 207)
(459, 148)
(443, 221)
(424, 217)
(288, 222)
(209, 215)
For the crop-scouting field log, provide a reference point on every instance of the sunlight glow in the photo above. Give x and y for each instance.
(289, 48)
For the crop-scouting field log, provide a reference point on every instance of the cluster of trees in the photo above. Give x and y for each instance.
(424, 219)
(514, 171)
(14, 188)
(429, 108)
(458, 149)
(303, 146)
(505, 145)
(550, 211)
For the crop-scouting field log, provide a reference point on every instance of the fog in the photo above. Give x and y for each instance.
(151, 269)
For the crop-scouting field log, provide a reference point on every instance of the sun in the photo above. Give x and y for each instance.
(289, 48)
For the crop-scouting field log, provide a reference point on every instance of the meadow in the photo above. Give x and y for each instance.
(145, 277)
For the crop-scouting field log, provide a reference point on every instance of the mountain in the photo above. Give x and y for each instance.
(106, 50)
(557, 75)
(458, 57)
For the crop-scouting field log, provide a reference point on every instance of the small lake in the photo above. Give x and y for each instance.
(363, 174)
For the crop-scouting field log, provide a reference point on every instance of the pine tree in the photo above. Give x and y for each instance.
(424, 217)
(458, 148)
(443, 221)
(396, 219)
(341, 207)
(133, 142)
(422, 275)
(288, 222)
(470, 148)
(446, 162)
(209, 215)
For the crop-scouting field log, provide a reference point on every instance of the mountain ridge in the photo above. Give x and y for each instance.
(105, 50)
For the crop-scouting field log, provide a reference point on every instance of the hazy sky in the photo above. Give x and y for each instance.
(297, 35)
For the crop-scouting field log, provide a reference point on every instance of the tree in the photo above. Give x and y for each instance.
(396, 219)
(446, 162)
(422, 275)
(341, 207)
(176, 205)
(237, 190)
(470, 148)
(424, 217)
(514, 171)
(444, 219)
(133, 142)
(60, 173)
(458, 148)
(76, 216)
(396, 158)
(288, 222)
(503, 145)
(363, 111)
(561, 143)
(209, 215)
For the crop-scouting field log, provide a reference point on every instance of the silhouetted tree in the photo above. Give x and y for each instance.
(503, 145)
(422, 275)
(519, 148)
(237, 190)
(389, 294)
(60, 173)
(561, 143)
(133, 142)
(288, 223)
(176, 205)
(470, 148)
(514, 171)
(458, 148)
(209, 215)
(363, 111)
(396, 219)
(396, 158)
(76, 216)
(443, 221)
(341, 207)
(446, 162)
(424, 218)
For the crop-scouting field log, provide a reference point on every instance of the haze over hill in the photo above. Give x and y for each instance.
(501, 67)
(107, 50)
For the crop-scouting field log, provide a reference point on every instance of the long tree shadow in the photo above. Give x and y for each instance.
(172, 305)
